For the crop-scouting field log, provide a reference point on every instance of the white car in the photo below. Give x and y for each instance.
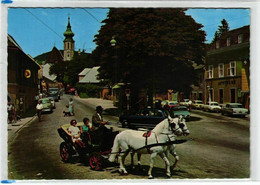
(235, 109)
(185, 102)
(212, 107)
(197, 104)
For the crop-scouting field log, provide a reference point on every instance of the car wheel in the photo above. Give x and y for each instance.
(124, 124)
(222, 113)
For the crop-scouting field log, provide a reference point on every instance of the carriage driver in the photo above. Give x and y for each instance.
(97, 119)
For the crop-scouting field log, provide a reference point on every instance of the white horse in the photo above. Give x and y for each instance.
(132, 140)
(170, 148)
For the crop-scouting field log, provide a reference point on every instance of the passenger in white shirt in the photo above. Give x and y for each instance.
(74, 131)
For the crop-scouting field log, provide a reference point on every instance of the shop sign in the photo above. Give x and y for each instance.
(227, 82)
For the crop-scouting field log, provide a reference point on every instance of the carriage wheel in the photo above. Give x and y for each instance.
(64, 152)
(95, 161)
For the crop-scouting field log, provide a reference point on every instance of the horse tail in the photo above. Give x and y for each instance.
(115, 150)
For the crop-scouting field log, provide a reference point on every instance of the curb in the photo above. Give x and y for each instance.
(12, 135)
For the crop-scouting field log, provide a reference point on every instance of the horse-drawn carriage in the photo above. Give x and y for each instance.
(97, 146)
(161, 140)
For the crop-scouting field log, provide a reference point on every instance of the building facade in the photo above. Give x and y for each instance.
(227, 68)
(22, 77)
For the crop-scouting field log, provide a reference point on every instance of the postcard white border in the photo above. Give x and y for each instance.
(254, 5)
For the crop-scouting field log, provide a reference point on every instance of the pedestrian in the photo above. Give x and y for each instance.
(39, 108)
(71, 107)
(10, 111)
(74, 132)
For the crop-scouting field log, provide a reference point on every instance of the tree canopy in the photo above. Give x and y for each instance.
(221, 29)
(154, 47)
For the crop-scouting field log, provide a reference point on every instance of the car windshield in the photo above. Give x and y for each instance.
(173, 103)
(236, 106)
(215, 104)
(199, 102)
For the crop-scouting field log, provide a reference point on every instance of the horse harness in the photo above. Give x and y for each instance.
(146, 135)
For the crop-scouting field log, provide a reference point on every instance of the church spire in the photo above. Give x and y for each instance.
(68, 43)
(68, 33)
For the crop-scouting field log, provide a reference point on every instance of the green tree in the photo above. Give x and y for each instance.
(154, 48)
(223, 28)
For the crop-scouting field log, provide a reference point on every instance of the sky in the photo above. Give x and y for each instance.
(37, 30)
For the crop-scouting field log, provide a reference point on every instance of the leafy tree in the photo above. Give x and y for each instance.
(154, 48)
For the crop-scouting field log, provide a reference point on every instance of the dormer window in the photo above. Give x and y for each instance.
(228, 41)
(240, 39)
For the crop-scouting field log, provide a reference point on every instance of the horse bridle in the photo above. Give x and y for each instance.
(173, 129)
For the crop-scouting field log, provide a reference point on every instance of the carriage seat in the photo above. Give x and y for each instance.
(66, 126)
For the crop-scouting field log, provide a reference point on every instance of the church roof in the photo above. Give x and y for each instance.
(54, 56)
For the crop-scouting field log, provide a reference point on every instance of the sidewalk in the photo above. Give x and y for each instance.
(14, 128)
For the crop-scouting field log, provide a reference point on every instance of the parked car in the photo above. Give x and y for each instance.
(235, 109)
(212, 107)
(197, 104)
(145, 118)
(185, 102)
(52, 102)
(180, 110)
(47, 105)
(55, 93)
(172, 103)
(71, 90)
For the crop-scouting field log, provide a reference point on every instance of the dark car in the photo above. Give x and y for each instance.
(145, 118)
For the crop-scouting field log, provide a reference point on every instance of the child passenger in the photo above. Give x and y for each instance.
(74, 131)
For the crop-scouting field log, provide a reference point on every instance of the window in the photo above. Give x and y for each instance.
(228, 41)
(240, 39)
(232, 69)
(211, 71)
(221, 70)
(217, 44)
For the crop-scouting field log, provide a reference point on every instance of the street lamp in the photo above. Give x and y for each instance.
(113, 41)
(113, 44)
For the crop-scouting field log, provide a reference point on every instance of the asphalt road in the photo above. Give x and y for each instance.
(220, 149)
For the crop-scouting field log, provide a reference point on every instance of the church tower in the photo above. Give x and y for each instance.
(68, 43)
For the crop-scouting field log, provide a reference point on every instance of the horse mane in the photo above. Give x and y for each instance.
(160, 127)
